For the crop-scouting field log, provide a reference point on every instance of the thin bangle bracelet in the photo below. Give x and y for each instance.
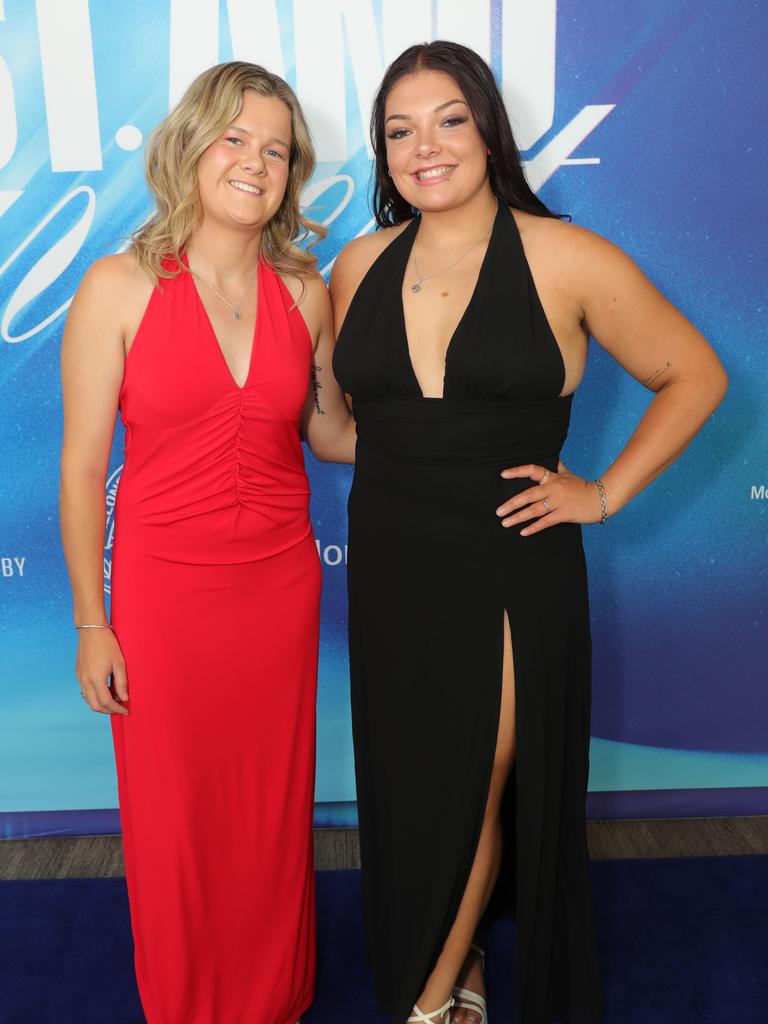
(104, 625)
(603, 502)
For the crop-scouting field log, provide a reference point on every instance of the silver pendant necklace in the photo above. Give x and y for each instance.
(416, 286)
(236, 314)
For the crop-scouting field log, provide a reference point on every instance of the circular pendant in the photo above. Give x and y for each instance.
(416, 287)
(235, 314)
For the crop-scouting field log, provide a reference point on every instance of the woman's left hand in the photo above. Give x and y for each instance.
(558, 497)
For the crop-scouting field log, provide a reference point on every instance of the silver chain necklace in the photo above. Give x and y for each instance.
(416, 286)
(235, 308)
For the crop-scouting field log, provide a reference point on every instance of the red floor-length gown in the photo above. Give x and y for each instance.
(215, 603)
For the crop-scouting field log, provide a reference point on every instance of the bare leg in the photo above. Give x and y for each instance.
(485, 868)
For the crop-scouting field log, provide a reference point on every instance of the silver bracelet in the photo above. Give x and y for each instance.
(99, 626)
(603, 502)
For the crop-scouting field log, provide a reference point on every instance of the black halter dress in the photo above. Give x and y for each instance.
(431, 574)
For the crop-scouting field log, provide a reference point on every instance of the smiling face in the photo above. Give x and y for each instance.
(242, 176)
(436, 156)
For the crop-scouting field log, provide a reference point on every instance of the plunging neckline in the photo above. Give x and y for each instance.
(462, 318)
(214, 336)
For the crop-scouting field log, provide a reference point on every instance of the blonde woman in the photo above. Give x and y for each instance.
(212, 336)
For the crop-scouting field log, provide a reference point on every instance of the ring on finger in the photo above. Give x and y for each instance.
(545, 503)
(545, 477)
(82, 694)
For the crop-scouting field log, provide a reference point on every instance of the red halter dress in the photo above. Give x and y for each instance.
(215, 603)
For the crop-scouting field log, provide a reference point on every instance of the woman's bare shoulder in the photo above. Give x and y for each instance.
(116, 280)
(305, 287)
(310, 293)
(357, 257)
(113, 293)
(565, 241)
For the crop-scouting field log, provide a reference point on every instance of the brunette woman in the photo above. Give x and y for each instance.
(463, 336)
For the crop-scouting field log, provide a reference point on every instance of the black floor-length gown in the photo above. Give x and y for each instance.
(431, 575)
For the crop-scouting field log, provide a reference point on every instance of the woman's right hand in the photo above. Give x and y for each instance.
(99, 657)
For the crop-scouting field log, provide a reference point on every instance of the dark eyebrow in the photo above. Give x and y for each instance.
(449, 103)
(237, 128)
(407, 117)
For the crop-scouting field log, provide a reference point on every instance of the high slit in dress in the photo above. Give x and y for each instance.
(431, 575)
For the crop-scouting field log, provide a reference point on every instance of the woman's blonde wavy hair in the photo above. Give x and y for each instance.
(210, 104)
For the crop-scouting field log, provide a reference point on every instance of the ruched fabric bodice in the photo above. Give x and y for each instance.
(222, 466)
(215, 605)
(503, 348)
(460, 430)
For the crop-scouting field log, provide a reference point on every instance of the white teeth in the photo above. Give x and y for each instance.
(246, 188)
(435, 172)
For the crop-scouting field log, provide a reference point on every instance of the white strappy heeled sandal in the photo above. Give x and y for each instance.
(436, 1017)
(465, 999)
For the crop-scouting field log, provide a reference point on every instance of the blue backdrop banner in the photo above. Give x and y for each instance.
(644, 121)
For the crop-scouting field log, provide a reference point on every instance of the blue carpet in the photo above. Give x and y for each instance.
(682, 942)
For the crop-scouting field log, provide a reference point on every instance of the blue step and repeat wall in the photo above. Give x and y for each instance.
(646, 122)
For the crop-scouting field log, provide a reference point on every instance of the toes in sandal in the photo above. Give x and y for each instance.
(465, 999)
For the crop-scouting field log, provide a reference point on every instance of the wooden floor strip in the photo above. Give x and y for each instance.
(102, 856)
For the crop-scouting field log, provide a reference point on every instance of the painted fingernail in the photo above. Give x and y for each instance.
(523, 533)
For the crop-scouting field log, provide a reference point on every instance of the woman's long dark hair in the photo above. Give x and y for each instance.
(476, 81)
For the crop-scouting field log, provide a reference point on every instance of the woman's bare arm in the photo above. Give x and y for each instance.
(661, 349)
(327, 423)
(92, 361)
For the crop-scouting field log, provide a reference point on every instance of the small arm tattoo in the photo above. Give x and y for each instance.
(316, 388)
(652, 378)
